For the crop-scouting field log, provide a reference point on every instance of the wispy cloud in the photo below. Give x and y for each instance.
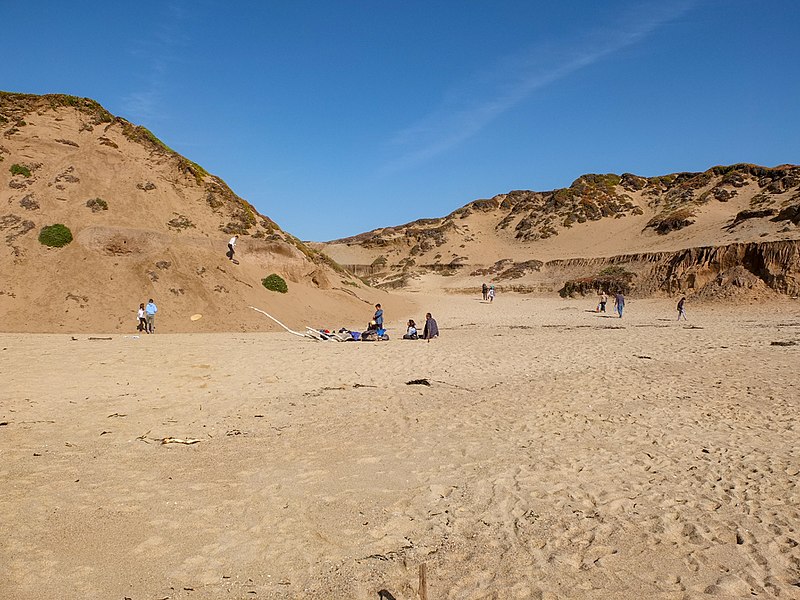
(469, 108)
(156, 53)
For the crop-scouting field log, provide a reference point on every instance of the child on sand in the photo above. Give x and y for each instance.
(603, 300)
(411, 332)
(142, 323)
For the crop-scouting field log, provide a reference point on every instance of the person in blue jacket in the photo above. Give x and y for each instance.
(150, 314)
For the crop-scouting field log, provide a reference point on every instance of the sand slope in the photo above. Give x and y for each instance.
(558, 453)
(147, 223)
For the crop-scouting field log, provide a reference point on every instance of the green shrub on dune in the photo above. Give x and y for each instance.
(275, 283)
(20, 170)
(55, 236)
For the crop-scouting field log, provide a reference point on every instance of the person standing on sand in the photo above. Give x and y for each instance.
(142, 323)
(150, 312)
(431, 329)
(619, 302)
(378, 316)
(232, 247)
(682, 308)
(603, 301)
(485, 290)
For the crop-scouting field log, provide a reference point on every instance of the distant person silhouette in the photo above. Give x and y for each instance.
(682, 309)
(619, 303)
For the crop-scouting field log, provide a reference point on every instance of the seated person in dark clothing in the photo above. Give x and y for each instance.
(431, 328)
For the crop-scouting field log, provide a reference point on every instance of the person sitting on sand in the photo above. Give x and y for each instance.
(411, 333)
(431, 329)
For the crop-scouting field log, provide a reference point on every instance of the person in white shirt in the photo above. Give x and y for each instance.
(411, 333)
(142, 326)
(232, 246)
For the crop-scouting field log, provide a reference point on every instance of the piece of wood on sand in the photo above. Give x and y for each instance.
(297, 333)
(423, 582)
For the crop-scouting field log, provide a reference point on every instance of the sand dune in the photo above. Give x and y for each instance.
(146, 223)
(558, 453)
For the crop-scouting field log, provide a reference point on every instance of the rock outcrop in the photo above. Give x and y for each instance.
(529, 236)
(708, 271)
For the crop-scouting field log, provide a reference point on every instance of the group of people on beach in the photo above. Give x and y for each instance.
(619, 304)
(376, 330)
(146, 317)
(146, 313)
(429, 332)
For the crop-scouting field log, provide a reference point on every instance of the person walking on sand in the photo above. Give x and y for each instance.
(485, 290)
(378, 316)
(491, 294)
(142, 323)
(682, 308)
(150, 313)
(603, 301)
(619, 303)
(232, 247)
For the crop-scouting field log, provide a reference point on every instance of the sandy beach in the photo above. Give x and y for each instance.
(557, 453)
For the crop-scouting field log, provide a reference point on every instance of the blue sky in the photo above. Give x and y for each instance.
(336, 117)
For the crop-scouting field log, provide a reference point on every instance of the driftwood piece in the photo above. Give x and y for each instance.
(297, 333)
(172, 440)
